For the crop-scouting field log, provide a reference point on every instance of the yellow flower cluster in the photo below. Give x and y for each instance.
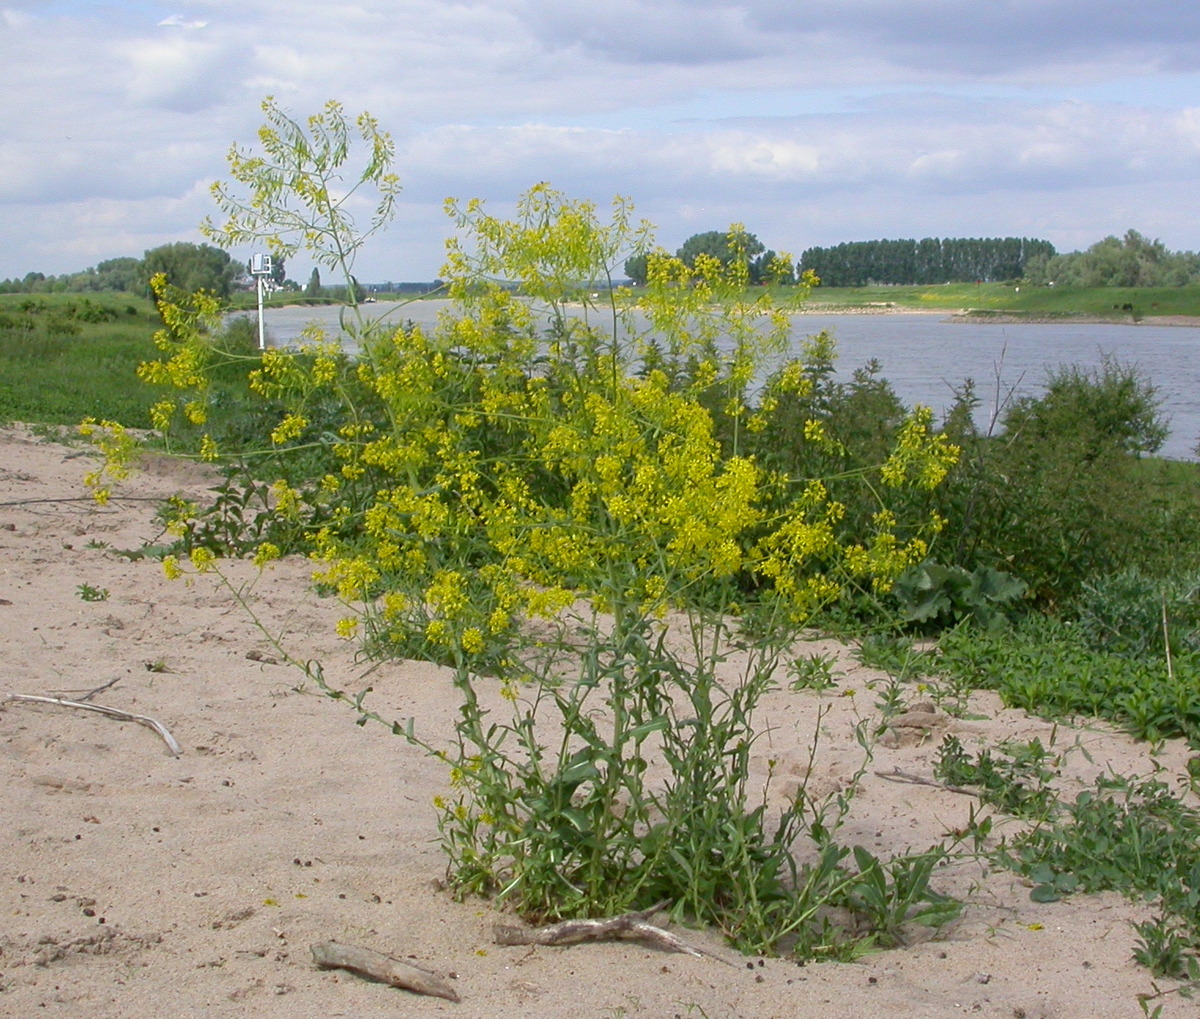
(202, 559)
(266, 553)
(119, 451)
(288, 429)
(885, 557)
(513, 468)
(188, 320)
(921, 456)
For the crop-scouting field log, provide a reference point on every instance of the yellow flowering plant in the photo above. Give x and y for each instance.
(563, 449)
(545, 475)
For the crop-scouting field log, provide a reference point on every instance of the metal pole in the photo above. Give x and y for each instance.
(262, 336)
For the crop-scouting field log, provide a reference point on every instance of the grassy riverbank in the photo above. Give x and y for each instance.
(64, 357)
(1108, 303)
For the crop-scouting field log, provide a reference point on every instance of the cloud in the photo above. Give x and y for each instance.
(69, 236)
(182, 73)
(634, 31)
(179, 21)
(1020, 39)
(784, 114)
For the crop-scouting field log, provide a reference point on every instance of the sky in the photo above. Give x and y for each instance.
(810, 123)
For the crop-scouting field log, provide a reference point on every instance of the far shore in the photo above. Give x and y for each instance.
(977, 316)
(1016, 318)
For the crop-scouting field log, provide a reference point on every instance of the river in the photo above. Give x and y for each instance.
(925, 356)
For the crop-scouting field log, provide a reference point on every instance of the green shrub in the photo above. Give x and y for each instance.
(1131, 613)
(1113, 405)
(1061, 494)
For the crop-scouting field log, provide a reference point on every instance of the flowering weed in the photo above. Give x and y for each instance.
(527, 493)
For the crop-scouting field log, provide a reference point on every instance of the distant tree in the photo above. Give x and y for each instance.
(313, 288)
(712, 242)
(112, 274)
(636, 268)
(116, 274)
(191, 267)
(278, 271)
(762, 266)
(929, 261)
(721, 245)
(770, 267)
(1129, 261)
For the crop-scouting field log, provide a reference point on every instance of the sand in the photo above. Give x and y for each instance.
(137, 884)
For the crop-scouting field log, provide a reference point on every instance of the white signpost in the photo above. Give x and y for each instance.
(260, 269)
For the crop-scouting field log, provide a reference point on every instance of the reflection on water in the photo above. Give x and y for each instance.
(925, 357)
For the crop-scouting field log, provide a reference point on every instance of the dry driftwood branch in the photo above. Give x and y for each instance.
(377, 966)
(627, 926)
(896, 775)
(115, 497)
(100, 709)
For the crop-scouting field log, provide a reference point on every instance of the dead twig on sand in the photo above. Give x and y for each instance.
(100, 689)
(896, 775)
(627, 926)
(384, 968)
(100, 709)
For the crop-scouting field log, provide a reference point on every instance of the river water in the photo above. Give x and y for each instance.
(925, 356)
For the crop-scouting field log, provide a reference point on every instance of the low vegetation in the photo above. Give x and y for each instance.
(66, 356)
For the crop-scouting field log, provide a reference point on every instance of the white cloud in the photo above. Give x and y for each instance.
(179, 21)
(870, 118)
(181, 73)
(68, 236)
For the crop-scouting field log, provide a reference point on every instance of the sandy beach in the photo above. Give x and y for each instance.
(137, 884)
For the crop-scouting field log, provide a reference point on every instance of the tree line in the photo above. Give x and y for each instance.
(186, 265)
(924, 262)
(860, 263)
(1129, 261)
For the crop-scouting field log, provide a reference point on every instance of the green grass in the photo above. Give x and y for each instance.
(1101, 302)
(123, 304)
(248, 300)
(58, 369)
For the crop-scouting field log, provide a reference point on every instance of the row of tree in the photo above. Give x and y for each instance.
(187, 265)
(925, 262)
(860, 263)
(1129, 261)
